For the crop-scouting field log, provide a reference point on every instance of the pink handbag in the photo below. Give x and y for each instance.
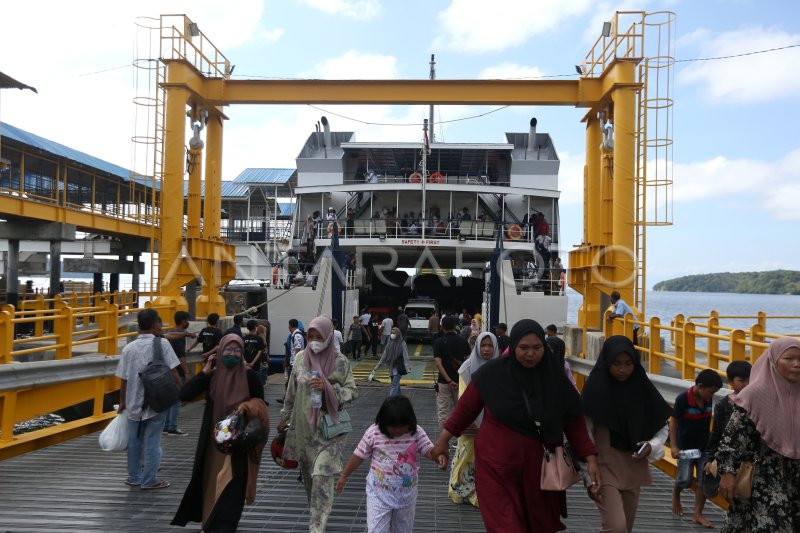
(559, 471)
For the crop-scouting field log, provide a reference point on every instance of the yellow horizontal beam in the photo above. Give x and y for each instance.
(583, 92)
(21, 207)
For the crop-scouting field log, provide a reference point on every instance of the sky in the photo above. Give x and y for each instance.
(736, 150)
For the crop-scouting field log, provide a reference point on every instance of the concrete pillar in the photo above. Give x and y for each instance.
(135, 277)
(113, 284)
(191, 299)
(97, 285)
(12, 273)
(55, 268)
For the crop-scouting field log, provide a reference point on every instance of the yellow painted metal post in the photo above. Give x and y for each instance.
(713, 342)
(593, 205)
(756, 335)
(689, 351)
(62, 326)
(193, 200)
(624, 187)
(38, 305)
(655, 346)
(99, 392)
(738, 337)
(171, 226)
(112, 325)
(210, 300)
(7, 422)
(6, 336)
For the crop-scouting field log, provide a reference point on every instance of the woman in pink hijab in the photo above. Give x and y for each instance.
(320, 458)
(765, 429)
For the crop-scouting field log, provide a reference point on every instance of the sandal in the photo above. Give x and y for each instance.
(159, 484)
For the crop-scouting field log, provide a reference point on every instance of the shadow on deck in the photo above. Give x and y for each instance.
(75, 486)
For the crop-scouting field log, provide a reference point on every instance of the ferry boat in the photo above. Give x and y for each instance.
(379, 224)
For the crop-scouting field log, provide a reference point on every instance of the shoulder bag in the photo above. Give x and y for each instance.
(560, 469)
(744, 480)
(331, 429)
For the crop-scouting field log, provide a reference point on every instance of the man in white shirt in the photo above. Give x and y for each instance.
(144, 424)
(338, 340)
(386, 330)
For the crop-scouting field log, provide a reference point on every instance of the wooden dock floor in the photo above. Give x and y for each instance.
(75, 486)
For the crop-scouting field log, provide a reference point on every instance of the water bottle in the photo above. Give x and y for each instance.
(316, 396)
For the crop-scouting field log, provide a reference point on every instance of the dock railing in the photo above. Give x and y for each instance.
(689, 338)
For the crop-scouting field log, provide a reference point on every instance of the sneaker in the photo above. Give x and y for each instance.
(176, 433)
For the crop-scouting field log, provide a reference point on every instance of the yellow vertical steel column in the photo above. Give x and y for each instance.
(171, 226)
(209, 301)
(624, 186)
(593, 206)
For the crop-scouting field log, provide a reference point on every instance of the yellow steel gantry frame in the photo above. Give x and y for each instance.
(604, 262)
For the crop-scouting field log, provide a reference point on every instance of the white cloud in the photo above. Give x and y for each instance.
(771, 186)
(355, 9)
(510, 71)
(354, 65)
(479, 26)
(271, 36)
(750, 79)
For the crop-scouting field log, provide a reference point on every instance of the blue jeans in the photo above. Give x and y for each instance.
(686, 468)
(171, 420)
(395, 390)
(144, 449)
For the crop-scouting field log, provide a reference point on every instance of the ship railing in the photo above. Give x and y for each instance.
(550, 281)
(58, 330)
(447, 179)
(712, 342)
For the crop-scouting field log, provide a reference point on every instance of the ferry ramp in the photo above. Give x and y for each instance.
(74, 486)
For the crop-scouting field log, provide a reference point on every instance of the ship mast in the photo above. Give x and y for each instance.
(430, 111)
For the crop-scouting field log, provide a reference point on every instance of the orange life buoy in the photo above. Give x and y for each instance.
(275, 275)
(416, 177)
(436, 177)
(514, 232)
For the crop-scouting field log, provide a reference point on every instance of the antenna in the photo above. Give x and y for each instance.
(430, 112)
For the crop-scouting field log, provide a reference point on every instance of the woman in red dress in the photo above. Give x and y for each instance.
(509, 447)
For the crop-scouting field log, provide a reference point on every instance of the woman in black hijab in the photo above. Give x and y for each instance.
(628, 417)
(528, 403)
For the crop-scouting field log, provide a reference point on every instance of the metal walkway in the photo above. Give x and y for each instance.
(74, 486)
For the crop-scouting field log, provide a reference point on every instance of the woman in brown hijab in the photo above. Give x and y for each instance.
(220, 482)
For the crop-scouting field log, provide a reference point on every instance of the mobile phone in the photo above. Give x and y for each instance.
(642, 449)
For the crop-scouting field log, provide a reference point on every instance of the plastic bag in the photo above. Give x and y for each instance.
(115, 437)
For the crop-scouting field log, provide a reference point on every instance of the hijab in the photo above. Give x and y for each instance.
(229, 386)
(394, 347)
(475, 361)
(632, 410)
(553, 400)
(323, 363)
(772, 403)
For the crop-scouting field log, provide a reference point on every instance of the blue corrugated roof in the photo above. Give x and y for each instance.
(276, 176)
(286, 208)
(60, 150)
(229, 190)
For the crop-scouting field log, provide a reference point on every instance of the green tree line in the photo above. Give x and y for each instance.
(772, 282)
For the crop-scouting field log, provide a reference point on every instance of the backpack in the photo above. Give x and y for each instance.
(302, 334)
(160, 390)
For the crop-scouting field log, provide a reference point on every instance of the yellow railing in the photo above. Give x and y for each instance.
(99, 315)
(689, 338)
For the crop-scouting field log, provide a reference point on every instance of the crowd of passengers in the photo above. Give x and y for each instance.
(534, 225)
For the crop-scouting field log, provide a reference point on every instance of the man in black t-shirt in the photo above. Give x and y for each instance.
(503, 340)
(236, 328)
(254, 349)
(177, 339)
(209, 336)
(449, 352)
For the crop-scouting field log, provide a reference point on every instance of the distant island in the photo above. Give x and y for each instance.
(772, 282)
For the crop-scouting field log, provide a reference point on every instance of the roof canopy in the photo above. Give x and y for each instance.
(7, 82)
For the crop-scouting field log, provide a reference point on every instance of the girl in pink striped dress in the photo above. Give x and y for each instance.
(394, 443)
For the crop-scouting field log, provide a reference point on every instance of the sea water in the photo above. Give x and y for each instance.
(665, 305)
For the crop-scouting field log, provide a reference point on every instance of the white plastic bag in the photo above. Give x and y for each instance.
(115, 437)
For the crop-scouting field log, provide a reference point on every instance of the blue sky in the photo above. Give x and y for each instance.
(736, 146)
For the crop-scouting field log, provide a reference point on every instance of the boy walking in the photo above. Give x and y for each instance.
(356, 334)
(689, 429)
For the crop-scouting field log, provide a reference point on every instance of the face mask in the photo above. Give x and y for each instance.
(316, 346)
(393, 336)
(230, 361)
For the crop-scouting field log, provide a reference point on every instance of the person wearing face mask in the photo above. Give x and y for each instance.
(221, 483)
(395, 357)
(462, 475)
(320, 459)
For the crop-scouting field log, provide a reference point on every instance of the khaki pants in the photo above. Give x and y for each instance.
(446, 400)
(618, 509)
